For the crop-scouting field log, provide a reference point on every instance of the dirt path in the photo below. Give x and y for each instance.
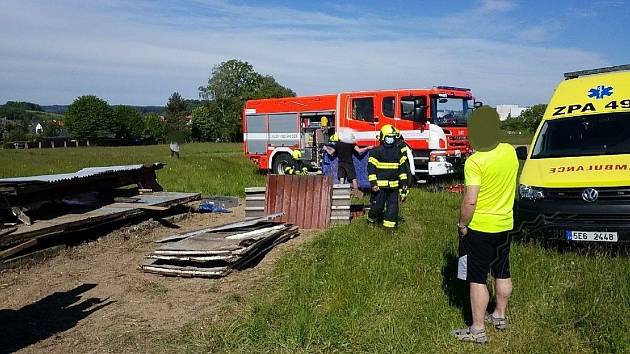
(93, 298)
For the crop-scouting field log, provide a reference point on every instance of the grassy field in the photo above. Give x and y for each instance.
(516, 139)
(360, 289)
(217, 169)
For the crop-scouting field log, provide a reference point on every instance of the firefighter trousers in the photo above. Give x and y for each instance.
(384, 206)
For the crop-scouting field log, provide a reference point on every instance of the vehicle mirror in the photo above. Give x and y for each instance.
(521, 152)
(478, 104)
(419, 114)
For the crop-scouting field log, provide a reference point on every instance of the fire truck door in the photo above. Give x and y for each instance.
(362, 118)
(414, 128)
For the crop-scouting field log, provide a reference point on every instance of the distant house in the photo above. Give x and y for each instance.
(39, 129)
(506, 111)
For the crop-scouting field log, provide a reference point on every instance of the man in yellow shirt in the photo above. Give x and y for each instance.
(485, 221)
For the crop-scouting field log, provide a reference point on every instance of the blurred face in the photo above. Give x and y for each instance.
(389, 140)
(483, 129)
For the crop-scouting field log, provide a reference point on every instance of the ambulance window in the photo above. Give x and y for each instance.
(363, 109)
(389, 106)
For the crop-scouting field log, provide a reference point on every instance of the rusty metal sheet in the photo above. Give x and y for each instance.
(305, 200)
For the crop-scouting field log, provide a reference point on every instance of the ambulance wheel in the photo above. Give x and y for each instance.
(280, 162)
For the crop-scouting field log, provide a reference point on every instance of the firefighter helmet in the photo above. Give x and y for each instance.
(296, 154)
(388, 130)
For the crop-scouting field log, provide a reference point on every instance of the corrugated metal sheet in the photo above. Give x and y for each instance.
(86, 172)
(305, 200)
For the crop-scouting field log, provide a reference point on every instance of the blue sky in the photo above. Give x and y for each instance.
(139, 52)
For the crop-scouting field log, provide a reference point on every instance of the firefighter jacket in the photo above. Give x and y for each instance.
(296, 167)
(387, 167)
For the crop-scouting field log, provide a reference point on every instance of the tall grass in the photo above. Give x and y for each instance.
(205, 168)
(520, 138)
(359, 289)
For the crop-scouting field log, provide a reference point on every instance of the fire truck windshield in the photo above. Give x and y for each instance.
(450, 111)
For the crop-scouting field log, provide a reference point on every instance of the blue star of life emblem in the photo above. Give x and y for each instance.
(599, 92)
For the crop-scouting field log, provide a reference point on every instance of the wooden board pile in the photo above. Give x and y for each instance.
(215, 252)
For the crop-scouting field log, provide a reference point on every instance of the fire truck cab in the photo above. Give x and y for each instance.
(431, 121)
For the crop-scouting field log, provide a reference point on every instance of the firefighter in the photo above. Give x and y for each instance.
(296, 166)
(387, 174)
(402, 145)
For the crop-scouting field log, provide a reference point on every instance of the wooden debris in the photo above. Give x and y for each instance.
(215, 252)
(26, 236)
(341, 199)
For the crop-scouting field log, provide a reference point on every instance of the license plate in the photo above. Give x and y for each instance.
(591, 236)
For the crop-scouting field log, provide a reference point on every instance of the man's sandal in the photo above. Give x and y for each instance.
(500, 324)
(467, 335)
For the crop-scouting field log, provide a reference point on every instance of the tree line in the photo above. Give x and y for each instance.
(215, 117)
(18, 121)
(527, 122)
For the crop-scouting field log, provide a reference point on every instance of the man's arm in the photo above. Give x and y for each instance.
(362, 150)
(372, 162)
(330, 150)
(467, 209)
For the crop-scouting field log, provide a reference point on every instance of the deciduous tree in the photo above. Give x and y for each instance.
(90, 117)
(129, 123)
(154, 128)
(229, 86)
(532, 116)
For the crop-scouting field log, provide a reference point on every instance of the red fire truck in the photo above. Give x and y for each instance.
(432, 122)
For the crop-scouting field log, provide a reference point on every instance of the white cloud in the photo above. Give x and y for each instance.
(543, 32)
(58, 52)
(497, 5)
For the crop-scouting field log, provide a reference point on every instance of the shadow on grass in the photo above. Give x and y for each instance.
(456, 290)
(53, 314)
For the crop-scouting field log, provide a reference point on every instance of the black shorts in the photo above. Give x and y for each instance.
(481, 253)
(346, 171)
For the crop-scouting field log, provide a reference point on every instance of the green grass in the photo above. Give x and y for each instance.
(516, 139)
(216, 169)
(359, 289)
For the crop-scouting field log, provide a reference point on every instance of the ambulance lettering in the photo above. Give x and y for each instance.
(562, 110)
(580, 168)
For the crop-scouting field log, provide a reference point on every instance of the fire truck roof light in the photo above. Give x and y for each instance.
(453, 88)
(609, 69)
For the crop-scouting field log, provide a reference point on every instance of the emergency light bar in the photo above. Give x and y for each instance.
(609, 69)
(452, 88)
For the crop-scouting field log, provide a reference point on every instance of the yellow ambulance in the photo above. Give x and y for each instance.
(575, 183)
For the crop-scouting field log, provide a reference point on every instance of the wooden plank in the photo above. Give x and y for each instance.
(107, 214)
(153, 266)
(143, 207)
(13, 250)
(31, 257)
(316, 200)
(228, 257)
(327, 188)
(302, 197)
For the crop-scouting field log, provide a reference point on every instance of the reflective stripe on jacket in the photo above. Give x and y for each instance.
(387, 167)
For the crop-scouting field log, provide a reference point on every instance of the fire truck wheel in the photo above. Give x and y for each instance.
(280, 161)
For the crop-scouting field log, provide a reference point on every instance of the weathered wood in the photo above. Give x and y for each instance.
(214, 253)
(16, 249)
(106, 214)
(31, 257)
(153, 266)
